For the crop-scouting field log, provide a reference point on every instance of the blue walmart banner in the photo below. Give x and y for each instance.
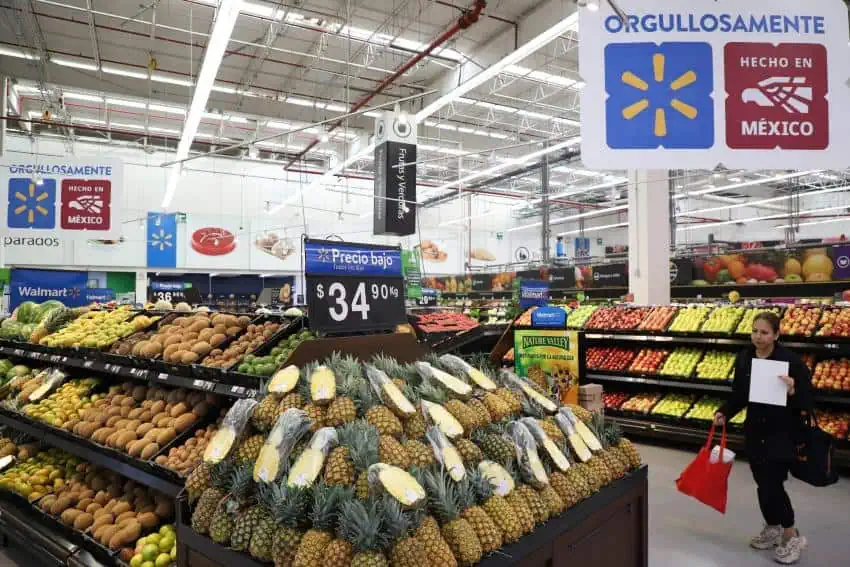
(533, 292)
(549, 318)
(337, 258)
(162, 240)
(43, 285)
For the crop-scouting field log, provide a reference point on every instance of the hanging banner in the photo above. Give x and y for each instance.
(395, 176)
(681, 271)
(753, 85)
(43, 285)
(412, 273)
(69, 198)
(610, 275)
(556, 353)
(162, 240)
(533, 292)
(582, 249)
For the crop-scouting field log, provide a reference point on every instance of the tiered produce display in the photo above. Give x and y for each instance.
(681, 362)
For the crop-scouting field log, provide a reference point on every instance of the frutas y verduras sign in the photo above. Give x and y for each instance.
(69, 198)
(756, 84)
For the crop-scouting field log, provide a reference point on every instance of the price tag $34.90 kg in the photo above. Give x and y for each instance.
(352, 303)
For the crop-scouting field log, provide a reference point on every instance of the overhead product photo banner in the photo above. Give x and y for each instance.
(760, 84)
(353, 287)
(69, 198)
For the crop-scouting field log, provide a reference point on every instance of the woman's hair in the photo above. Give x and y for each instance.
(770, 318)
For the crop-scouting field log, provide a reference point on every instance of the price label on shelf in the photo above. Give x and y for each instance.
(88, 364)
(138, 372)
(203, 385)
(18, 352)
(354, 287)
(162, 376)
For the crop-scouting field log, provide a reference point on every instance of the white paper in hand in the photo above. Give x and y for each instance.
(766, 386)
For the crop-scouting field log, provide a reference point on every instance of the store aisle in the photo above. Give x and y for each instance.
(685, 532)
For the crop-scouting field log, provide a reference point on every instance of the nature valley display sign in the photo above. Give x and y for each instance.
(553, 353)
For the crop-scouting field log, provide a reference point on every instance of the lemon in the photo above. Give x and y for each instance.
(136, 561)
(166, 543)
(153, 538)
(163, 560)
(150, 552)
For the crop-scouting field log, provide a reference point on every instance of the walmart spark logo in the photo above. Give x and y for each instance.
(659, 95)
(32, 205)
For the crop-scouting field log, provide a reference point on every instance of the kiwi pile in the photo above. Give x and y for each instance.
(187, 340)
(254, 337)
(184, 458)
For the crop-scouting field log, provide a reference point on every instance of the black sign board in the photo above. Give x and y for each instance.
(562, 278)
(681, 271)
(395, 189)
(353, 287)
(175, 292)
(482, 282)
(611, 275)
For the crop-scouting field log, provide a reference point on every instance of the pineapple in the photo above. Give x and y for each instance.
(609, 454)
(436, 548)
(363, 454)
(421, 456)
(630, 452)
(496, 446)
(581, 413)
(384, 420)
(535, 502)
(469, 452)
(349, 377)
(577, 479)
(293, 400)
(313, 544)
(265, 414)
(483, 417)
(553, 500)
(405, 550)
(511, 398)
(321, 381)
(488, 533)
(519, 506)
(566, 486)
(289, 511)
(393, 393)
(364, 526)
(199, 480)
(244, 527)
(551, 429)
(501, 512)
(391, 452)
(415, 426)
(249, 449)
(339, 553)
(261, 546)
(464, 414)
(596, 472)
(498, 407)
(239, 484)
(339, 470)
(444, 502)
(211, 497)
(318, 416)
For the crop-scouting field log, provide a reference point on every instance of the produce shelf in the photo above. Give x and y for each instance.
(134, 469)
(21, 524)
(479, 339)
(679, 384)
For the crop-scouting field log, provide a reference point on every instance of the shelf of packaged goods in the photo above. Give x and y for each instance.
(222, 384)
(123, 464)
(722, 386)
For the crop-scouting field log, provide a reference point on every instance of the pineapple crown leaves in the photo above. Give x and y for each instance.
(429, 390)
(290, 504)
(221, 475)
(434, 360)
(443, 500)
(242, 483)
(602, 430)
(399, 522)
(465, 493)
(480, 486)
(532, 409)
(364, 525)
(326, 501)
(388, 365)
(410, 375)
(363, 451)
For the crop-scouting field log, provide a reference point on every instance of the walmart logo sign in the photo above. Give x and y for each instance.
(659, 95)
(32, 205)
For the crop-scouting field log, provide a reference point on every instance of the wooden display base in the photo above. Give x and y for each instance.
(401, 346)
(610, 529)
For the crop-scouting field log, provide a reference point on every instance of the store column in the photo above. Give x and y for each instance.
(141, 286)
(649, 236)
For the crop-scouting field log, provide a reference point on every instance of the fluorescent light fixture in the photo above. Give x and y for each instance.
(127, 103)
(170, 79)
(167, 109)
(757, 219)
(74, 63)
(511, 59)
(219, 88)
(543, 77)
(127, 126)
(469, 218)
(765, 201)
(745, 184)
(226, 16)
(89, 120)
(82, 96)
(18, 53)
(163, 130)
(845, 218)
(123, 71)
(595, 228)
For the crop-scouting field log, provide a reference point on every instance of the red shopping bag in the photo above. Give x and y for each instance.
(705, 481)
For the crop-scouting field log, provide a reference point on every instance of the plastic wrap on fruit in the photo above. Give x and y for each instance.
(498, 477)
(446, 454)
(396, 482)
(543, 440)
(583, 430)
(512, 380)
(574, 440)
(528, 459)
(461, 367)
(453, 384)
(287, 431)
(51, 382)
(440, 416)
(389, 393)
(309, 465)
(231, 428)
(284, 380)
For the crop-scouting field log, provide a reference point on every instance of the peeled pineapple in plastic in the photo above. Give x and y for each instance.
(309, 465)
(443, 419)
(447, 454)
(549, 446)
(451, 383)
(284, 380)
(458, 365)
(398, 483)
(500, 479)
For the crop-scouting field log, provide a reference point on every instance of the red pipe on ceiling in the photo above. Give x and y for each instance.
(465, 21)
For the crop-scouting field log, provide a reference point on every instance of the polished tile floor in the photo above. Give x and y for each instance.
(683, 532)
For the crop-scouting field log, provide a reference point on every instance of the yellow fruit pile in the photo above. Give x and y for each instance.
(67, 402)
(98, 329)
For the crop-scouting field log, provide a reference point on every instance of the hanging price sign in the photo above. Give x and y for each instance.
(353, 287)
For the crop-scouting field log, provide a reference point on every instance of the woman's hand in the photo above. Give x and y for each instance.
(790, 383)
(719, 419)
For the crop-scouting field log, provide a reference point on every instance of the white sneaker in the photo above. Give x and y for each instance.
(770, 537)
(789, 552)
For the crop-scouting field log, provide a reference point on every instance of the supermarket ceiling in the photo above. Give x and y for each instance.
(125, 72)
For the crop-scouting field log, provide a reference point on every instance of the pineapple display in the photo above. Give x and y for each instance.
(293, 400)
(261, 545)
(495, 446)
(384, 420)
(523, 514)
(364, 526)
(391, 452)
(239, 486)
(248, 451)
(198, 481)
(421, 455)
(535, 502)
(265, 414)
(488, 533)
(469, 452)
(211, 497)
(497, 406)
(553, 500)
(290, 505)
(444, 503)
(405, 549)
(436, 548)
(311, 550)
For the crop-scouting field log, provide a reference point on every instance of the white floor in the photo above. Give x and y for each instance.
(683, 532)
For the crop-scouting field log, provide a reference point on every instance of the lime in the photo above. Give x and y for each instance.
(166, 543)
(153, 538)
(136, 561)
(149, 552)
(162, 560)
(166, 529)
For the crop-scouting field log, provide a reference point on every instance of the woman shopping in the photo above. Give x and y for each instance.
(770, 433)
